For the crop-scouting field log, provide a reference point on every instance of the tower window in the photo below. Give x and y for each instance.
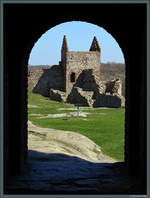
(72, 77)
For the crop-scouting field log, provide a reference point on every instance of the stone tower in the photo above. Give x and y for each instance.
(79, 66)
(64, 50)
(95, 46)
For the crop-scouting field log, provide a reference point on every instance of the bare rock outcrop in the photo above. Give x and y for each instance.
(65, 142)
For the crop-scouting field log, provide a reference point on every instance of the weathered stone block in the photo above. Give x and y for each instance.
(41, 79)
(57, 95)
(114, 87)
(103, 100)
(78, 96)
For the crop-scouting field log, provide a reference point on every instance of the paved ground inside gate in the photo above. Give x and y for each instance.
(65, 162)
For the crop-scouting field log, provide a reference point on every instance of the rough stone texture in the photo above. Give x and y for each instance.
(41, 79)
(114, 87)
(54, 141)
(88, 81)
(77, 79)
(76, 62)
(78, 96)
(79, 63)
(101, 87)
(57, 95)
(103, 100)
(68, 162)
(82, 79)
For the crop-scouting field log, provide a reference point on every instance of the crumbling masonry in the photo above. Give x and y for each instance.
(76, 80)
(82, 84)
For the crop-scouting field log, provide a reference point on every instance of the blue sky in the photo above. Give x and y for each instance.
(47, 50)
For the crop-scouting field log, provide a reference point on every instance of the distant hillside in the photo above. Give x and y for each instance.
(109, 71)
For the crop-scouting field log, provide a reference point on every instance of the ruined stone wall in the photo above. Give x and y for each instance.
(41, 79)
(104, 100)
(77, 62)
(34, 75)
(114, 87)
(86, 90)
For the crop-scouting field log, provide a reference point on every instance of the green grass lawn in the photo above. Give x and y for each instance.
(104, 126)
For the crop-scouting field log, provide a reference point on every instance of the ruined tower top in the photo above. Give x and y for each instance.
(64, 44)
(95, 46)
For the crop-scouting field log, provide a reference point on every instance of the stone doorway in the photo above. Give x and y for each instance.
(132, 46)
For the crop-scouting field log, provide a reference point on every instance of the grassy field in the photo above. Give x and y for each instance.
(104, 126)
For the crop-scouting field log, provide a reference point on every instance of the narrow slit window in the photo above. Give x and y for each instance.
(72, 77)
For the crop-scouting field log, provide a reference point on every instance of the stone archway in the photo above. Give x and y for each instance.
(22, 37)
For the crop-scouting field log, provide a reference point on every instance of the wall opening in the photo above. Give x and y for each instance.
(86, 80)
(132, 46)
(72, 77)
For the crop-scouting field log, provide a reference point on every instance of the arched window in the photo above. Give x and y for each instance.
(72, 77)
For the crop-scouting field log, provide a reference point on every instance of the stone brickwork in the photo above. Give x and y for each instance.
(114, 87)
(80, 97)
(75, 63)
(104, 100)
(57, 95)
(41, 79)
(77, 80)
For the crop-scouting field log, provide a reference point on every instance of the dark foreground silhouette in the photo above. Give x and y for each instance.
(63, 174)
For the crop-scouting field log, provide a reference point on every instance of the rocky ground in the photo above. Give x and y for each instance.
(72, 144)
(64, 162)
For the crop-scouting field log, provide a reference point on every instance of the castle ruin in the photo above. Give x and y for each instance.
(76, 80)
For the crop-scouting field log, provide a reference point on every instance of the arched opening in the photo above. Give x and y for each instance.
(93, 94)
(96, 83)
(131, 157)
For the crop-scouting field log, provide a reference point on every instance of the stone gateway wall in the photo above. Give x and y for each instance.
(15, 73)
